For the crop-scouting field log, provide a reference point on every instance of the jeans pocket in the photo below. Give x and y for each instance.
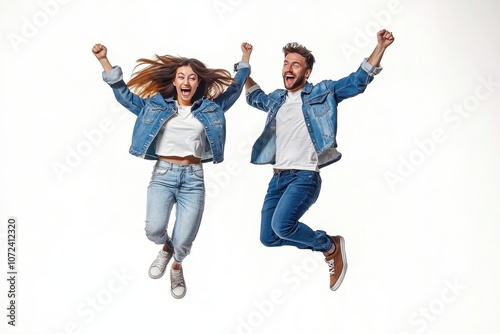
(198, 173)
(159, 171)
(309, 177)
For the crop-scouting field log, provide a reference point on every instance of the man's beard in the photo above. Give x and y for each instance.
(299, 81)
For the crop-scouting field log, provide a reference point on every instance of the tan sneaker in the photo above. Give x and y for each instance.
(337, 263)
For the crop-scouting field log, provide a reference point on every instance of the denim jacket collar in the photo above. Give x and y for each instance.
(172, 101)
(307, 89)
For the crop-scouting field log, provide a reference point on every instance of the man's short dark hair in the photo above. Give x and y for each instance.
(295, 47)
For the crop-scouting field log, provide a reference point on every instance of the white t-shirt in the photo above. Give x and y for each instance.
(182, 135)
(294, 147)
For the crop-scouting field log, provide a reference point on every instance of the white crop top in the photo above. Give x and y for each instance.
(182, 135)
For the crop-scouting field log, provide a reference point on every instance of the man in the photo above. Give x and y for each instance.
(298, 140)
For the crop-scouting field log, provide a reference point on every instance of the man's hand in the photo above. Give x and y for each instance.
(385, 38)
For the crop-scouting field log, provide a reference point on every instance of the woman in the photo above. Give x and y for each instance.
(180, 105)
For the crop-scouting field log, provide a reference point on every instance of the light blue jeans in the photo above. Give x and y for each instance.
(184, 186)
(289, 195)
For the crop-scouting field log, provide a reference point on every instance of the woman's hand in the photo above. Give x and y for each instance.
(101, 53)
(247, 49)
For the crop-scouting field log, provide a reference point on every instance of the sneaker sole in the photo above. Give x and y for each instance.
(181, 296)
(156, 277)
(344, 268)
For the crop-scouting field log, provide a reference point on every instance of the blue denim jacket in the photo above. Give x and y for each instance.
(319, 106)
(153, 112)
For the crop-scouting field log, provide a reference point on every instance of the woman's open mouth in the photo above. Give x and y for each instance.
(185, 92)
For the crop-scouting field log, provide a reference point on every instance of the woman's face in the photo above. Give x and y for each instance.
(186, 82)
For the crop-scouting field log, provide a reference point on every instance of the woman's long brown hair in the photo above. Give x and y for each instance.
(158, 74)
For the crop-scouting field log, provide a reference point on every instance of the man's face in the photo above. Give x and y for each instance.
(295, 72)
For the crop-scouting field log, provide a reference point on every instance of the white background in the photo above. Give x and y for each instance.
(415, 195)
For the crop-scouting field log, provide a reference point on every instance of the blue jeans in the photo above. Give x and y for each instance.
(184, 186)
(289, 195)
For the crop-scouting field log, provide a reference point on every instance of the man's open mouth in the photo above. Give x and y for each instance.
(289, 78)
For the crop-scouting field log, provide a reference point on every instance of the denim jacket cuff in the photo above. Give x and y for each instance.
(112, 76)
(369, 68)
(252, 89)
(241, 64)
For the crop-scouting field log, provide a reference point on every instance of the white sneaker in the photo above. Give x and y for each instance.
(157, 268)
(178, 285)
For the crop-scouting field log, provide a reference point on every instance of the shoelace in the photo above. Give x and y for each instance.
(331, 266)
(160, 262)
(177, 280)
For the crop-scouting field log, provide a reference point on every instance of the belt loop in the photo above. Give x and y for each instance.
(169, 165)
